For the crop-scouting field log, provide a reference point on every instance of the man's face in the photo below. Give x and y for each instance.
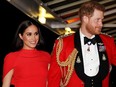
(94, 23)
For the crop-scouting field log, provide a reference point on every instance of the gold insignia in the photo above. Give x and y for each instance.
(103, 57)
(78, 60)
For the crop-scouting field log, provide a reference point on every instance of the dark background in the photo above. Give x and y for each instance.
(10, 18)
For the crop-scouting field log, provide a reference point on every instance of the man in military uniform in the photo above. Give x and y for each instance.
(83, 59)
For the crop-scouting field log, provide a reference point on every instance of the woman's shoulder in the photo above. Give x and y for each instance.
(45, 53)
(11, 55)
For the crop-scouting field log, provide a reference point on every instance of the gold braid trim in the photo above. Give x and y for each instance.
(68, 63)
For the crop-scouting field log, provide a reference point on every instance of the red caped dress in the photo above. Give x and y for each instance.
(30, 67)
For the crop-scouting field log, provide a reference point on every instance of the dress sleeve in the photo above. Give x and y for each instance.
(8, 63)
(48, 57)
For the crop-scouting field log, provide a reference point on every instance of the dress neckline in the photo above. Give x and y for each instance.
(28, 53)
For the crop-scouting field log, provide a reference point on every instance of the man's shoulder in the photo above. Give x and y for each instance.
(65, 36)
(105, 35)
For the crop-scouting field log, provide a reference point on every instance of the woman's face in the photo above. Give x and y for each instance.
(30, 37)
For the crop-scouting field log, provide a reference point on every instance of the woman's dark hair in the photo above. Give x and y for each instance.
(17, 42)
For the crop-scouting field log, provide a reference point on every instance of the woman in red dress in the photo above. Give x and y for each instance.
(27, 66)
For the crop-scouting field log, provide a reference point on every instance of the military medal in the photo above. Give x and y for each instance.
(88, 49)
(89, 43)
(78, 60)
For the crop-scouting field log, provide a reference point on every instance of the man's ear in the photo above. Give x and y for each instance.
(85, 19)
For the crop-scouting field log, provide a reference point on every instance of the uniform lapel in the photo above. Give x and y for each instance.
(104, 62)
(79, 68)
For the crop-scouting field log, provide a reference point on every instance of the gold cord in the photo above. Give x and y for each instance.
(69, 63)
